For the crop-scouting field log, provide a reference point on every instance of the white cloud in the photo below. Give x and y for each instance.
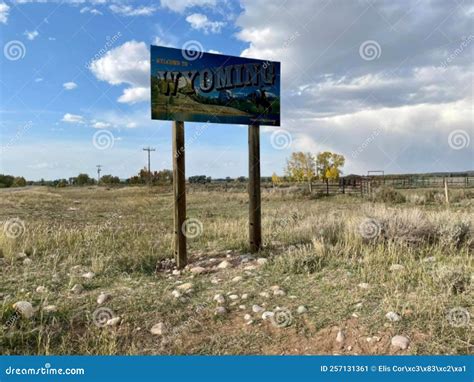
(128, 10)
(199, 21)
(69, 85)
(335, 99)
(100, 125)
(181, 5)
(4, 11)
(134, 95)
(90, 10)
(73, 118)
(214, 51)
(161, 42)
(127, 64)
(39, 79)
(31, 35)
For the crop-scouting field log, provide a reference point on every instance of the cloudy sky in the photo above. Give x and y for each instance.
(388, 84)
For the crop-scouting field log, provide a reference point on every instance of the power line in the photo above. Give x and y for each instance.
(99, 169)
(149, 149)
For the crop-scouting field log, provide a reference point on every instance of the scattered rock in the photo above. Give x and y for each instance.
(392, 316)
(24, 308)
(234, 297)
(77, 289)
(27, 261)
(279, 292)
(274, 288)
(242, 307)
(267, 315)
(185, 287)
(264, 294)
(363, 285)
(103, 297)
(176, 294)
(262, 261)
(400, 342)
(257, 309)
(41, 289)
(50, 308)
(113, 321)
(396, 267)
(88, 275)
(349, 348)
(250, 267)
(176, 272)
(237, 279)
(21, 255)
(220, 299)
(245, 296)
(220, 311)
(301, 309)
(247, 317)
(340, 336)
(158, 329)
(198, 270)
(224, 265)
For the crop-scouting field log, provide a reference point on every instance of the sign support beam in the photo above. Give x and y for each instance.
(179, 194)
(255, 211)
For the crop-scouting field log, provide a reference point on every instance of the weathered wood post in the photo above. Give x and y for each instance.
(179, 193)
(255, 212)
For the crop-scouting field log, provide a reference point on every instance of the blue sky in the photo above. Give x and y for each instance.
(74, 84)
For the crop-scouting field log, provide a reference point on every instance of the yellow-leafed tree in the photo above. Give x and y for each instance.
(329, 165)
(301, 168)
(276, 180)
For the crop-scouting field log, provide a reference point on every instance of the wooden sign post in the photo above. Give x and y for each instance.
(255, 211)
(179, 194)
(195, 86)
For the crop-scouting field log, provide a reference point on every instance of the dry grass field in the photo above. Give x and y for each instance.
(330, 271)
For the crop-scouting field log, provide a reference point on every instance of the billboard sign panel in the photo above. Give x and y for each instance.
(205, 87)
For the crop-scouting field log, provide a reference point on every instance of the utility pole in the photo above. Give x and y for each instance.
(149, 149)
(99, 169)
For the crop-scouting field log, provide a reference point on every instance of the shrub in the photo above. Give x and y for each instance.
(388, 195)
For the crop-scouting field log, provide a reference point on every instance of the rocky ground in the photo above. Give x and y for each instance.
(90, 272)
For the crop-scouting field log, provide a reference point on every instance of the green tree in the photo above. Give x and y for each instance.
(83, 180)
(109, 179)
